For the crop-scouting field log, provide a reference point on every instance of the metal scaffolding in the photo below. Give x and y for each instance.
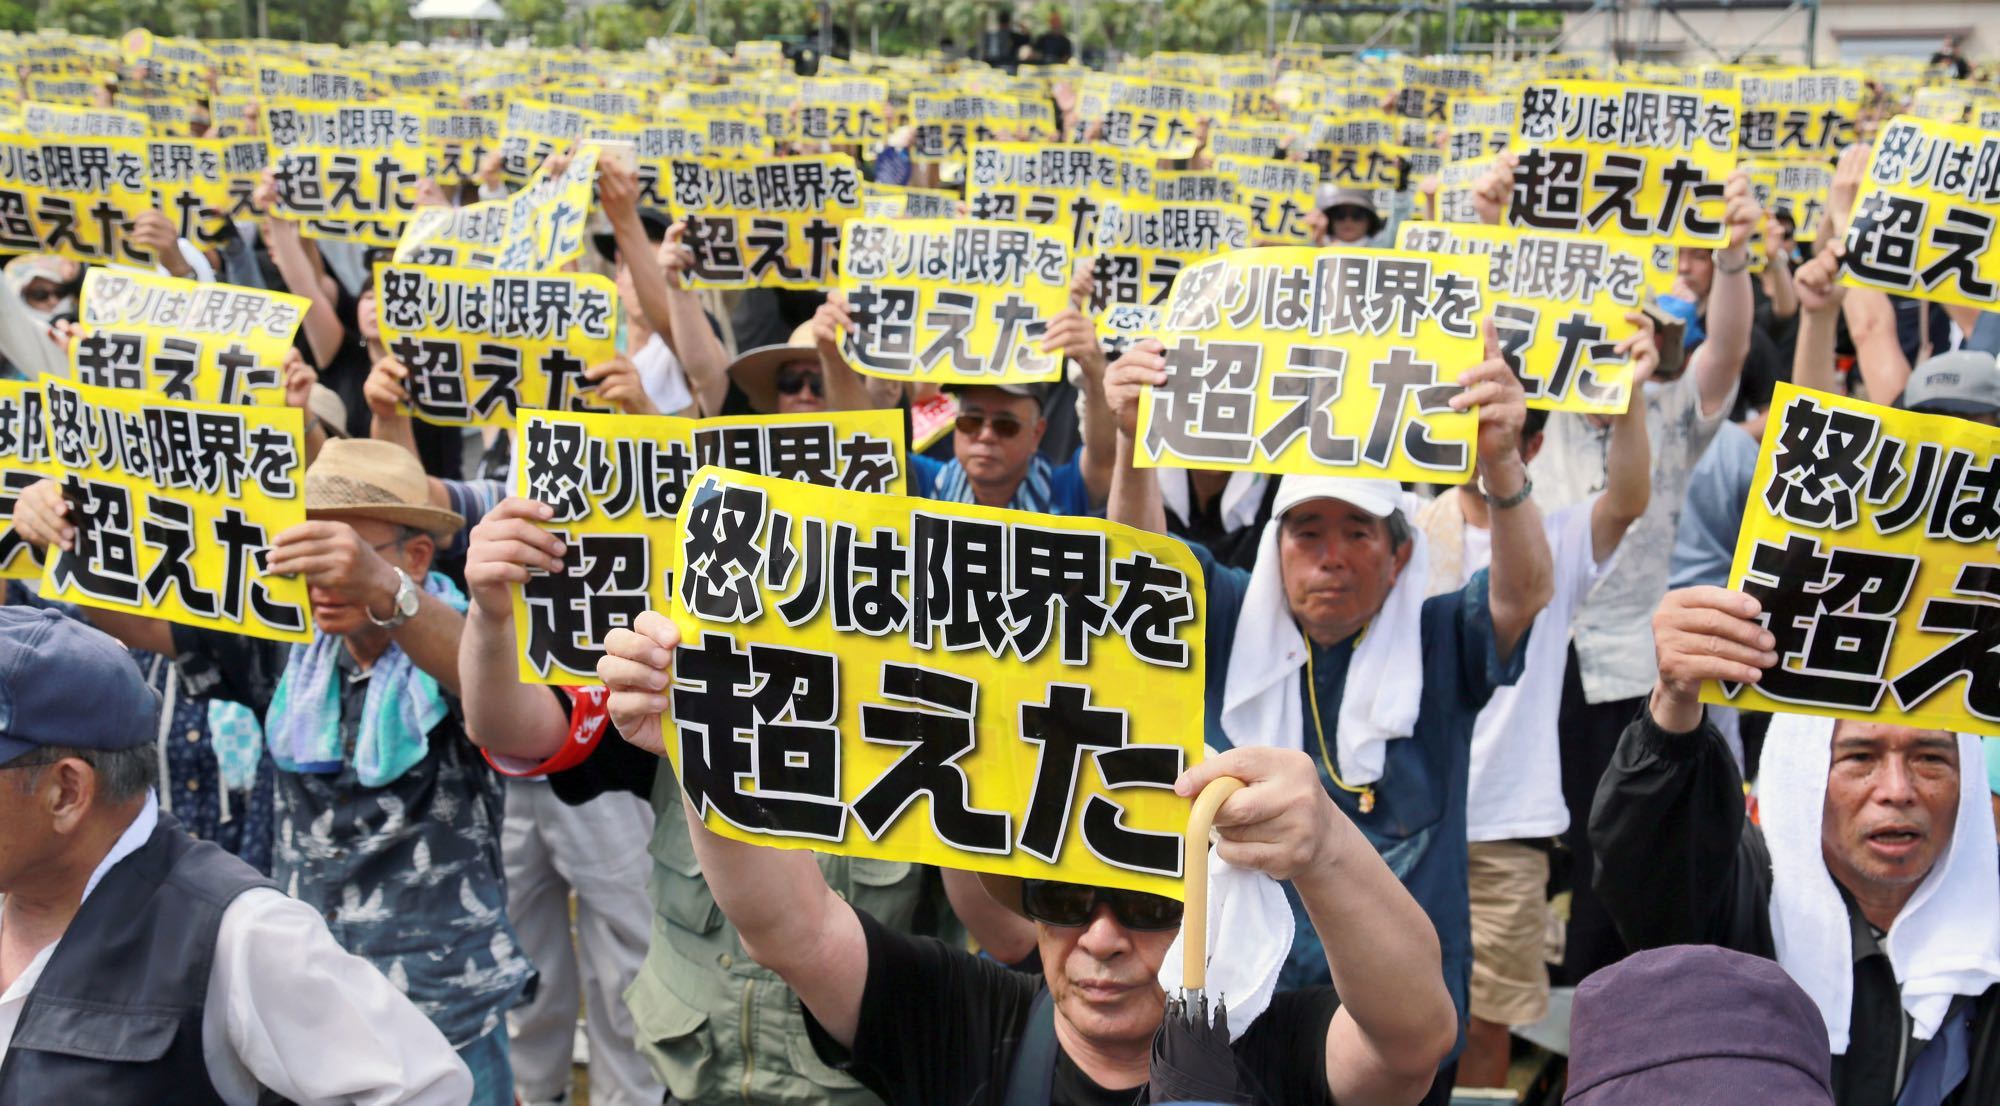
(1445, 23)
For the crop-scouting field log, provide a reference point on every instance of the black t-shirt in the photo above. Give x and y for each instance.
(939, 1027)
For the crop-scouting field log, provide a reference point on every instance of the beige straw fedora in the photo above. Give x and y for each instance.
(362, 478)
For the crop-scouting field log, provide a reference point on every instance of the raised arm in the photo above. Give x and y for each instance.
(1878, 350)
(1667, 823)
(788, 919)
(324, 332)
(1134, 496)
(702, 355)
(1820, 297)
(1522, 575)
(1718, 364)
(618, 195)
(1074, 335)
(502, 714)
(846, 390)
(1395, 1023)
(1628, 464)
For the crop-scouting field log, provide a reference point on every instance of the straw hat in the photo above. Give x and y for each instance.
(362, 478)
(331, 411)
(756, 371)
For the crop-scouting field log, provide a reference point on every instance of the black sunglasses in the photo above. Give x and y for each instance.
(1004, 426)
(1074, 904)
(792, 383)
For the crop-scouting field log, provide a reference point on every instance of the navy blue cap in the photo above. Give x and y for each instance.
(65, 683)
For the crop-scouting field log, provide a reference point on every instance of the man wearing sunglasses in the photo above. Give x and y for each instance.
(996, 442)
(921, 1022)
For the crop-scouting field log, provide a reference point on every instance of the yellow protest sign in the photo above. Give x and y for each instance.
(844, 111)
(890, 201)
(175, 505)
(184, 339)
(615, 483)
(1278, 194)
(24, 460)
(1646, 161)
(655, 148)
(1142, 244)
(479, 345)
(1863, 541)
(1150, 117)
(347, 162)
(1194, 186)
(534, 129)
(1016, 692)
(539, 227)
(74, 197)
(70, 121)
(949, 301)
(1923, 223)
(772, 224)
(1797, 188)
(1481, 126)
(457, 140)
(1455, 187)
(193, 186)
(945, 124)
(1300, 360)
(1049, 185)
(1795, 113)
(1559, 304)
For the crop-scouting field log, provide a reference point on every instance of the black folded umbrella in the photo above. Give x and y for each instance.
(1192, 1061)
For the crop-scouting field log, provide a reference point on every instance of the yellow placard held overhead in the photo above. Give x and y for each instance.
(24, 460)
(1647, 161)
(75, 198)
(1559, 303)
(347, 162)
(541, 227)
(1278, 194)
(1797, 188)
(936, 683)
(175, 505)
(1049, 185)
(184, 339)
(1299, 360)
(1140, 246)
(615, 483)
(1799, 113)
(1924, 220)
(954, 302)
(480, 345)
(1151, 117)
(768, 224)
(1865, 542)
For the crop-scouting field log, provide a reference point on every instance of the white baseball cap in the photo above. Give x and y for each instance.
(1380, 498)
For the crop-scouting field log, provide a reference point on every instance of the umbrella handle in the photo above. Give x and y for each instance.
(1194, 919)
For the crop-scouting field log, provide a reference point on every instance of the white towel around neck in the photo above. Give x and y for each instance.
(1241, 497)
(1385, 678)
(1946, 941)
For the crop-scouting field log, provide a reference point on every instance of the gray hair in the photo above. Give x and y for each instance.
(1399, 530)
(122, 774)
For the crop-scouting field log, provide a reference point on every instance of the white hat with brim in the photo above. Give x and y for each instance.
(1380, 498)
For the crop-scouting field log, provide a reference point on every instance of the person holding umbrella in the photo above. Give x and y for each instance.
(920, 1022)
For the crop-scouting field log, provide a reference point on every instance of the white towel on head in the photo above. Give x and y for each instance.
(1249, 936)
(1385, 678)
(1946, 941)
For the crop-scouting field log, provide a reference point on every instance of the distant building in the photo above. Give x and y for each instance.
(1847, 31)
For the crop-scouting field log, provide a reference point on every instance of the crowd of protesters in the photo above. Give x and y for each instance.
(1455, 712)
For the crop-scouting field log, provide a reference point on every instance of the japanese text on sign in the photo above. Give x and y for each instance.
(936, 683)
(175, 505)
(771, 224)
(539, 227)
(1646, 161)
(1869, 542)
(1559, 304)
(615, 483)
(479, 345)
(24, 456)
(186, 340)
(1291, 359)
(1923, 223)
(951, 301)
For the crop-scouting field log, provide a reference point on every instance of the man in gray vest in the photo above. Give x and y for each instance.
(140, 965)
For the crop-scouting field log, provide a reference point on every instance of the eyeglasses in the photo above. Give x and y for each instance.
(1354, 213)
(1004, 426)
(790, 383)
(40, 292)
(1072, 905)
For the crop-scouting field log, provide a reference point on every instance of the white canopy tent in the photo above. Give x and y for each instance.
(484, 10)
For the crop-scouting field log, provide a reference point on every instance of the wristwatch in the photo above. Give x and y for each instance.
(1731, 267)
(1515, 500)
(403, 607)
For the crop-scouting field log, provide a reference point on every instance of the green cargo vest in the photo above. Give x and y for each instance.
(716, 1027)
